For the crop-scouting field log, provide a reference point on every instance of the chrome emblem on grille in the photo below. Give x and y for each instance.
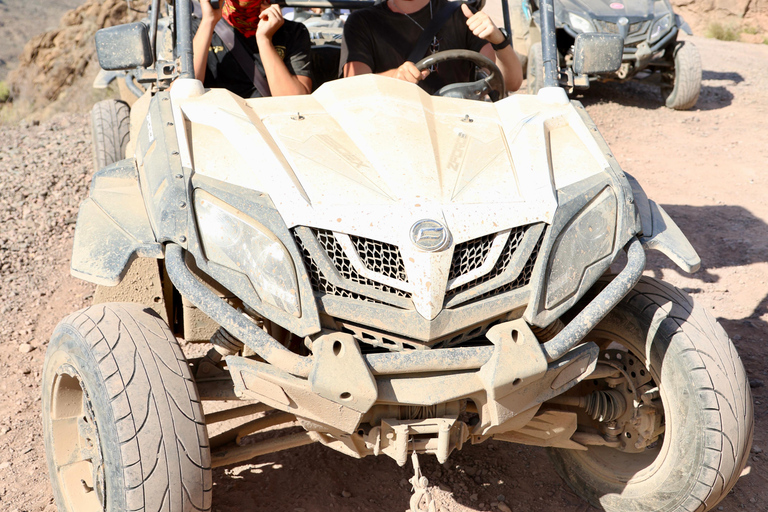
(429, 235)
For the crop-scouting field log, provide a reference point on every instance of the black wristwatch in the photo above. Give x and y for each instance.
(506, 42)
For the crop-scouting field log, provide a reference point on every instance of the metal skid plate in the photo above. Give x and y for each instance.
(263, 382)
(340, 388)
(503, 413)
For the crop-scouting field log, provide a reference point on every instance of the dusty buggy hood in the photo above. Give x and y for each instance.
(373, 155)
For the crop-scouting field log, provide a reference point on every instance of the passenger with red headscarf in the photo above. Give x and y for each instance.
(279, 49)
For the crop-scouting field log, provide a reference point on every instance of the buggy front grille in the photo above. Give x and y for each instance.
(376, 256)
(471, 255)
(636, 29)
(380, 257)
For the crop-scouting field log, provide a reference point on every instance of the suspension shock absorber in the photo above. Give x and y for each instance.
(224, 344)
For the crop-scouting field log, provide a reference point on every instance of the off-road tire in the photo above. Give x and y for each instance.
(707, 405)
(534, 69)
(110, 130)
(681, 86)
(119, 367)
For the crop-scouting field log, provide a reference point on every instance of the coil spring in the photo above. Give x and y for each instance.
(222, 338)
(604, 405)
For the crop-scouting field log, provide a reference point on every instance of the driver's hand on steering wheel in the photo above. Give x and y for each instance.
(482, 25)
(408, 72)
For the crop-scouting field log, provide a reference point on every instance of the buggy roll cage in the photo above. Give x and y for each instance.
(184, 35)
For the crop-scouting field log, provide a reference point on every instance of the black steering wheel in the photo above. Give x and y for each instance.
(493, 84)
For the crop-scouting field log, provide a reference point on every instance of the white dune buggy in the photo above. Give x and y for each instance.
(397, 273)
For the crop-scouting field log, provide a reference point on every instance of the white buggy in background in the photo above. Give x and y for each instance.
(401, 274)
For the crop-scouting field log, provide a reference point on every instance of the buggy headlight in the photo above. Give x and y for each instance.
(579, 24)
(238, 242)
(660, 27)
(587, 239)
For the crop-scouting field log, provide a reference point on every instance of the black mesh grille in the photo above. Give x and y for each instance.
(515, 237)
(343, 266)
(470, 255)
(380, 257)
(612, 28)
(522, 280)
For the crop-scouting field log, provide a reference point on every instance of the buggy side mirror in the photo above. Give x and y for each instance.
(124, 47)
(597, 53)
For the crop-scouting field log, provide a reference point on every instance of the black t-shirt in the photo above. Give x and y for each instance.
(223, 70)
(383, 39)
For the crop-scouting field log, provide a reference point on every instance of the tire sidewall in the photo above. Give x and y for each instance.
(534, 70)
(68, 347)
(682, 454)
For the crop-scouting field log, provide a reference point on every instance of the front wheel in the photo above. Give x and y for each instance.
(683, 359)
(681, 86)
(122, 423)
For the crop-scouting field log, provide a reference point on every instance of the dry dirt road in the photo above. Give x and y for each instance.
(706, 166)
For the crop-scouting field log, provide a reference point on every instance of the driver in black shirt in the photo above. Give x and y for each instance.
(380, 38)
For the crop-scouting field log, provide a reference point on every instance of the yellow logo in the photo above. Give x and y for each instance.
(217, 49)
(280, 51)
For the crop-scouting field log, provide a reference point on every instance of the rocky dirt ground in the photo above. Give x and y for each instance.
(706, 166)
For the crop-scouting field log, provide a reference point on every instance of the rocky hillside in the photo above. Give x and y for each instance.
(20, 20)
(751, 15)
(56, 68)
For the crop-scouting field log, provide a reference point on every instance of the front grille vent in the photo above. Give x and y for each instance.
(470, 255)
(522, 280)
(340, 260)
(387, 254)
(319, 283)
(515, 237)
(380, 257)
(635, 29)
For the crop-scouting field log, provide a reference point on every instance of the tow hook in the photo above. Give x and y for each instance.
(421, 500)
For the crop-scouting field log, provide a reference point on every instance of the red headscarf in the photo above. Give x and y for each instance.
(243, 14)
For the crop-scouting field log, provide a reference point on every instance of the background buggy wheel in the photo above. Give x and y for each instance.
(110, 130)
(122, 422)
(707, 409)
(680, 86)
(535, 69)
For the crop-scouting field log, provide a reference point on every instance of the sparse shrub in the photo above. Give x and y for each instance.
(722, 32)
(5, 92)
(749, 29)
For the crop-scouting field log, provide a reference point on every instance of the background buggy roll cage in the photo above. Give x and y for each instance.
(184, 35)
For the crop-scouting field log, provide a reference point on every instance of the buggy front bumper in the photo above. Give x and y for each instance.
(338, 384)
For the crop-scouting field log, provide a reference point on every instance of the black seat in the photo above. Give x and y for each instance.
(325, 63)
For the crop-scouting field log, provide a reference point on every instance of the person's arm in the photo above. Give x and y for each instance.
(506, 58)
(281, 81)
(202, 40)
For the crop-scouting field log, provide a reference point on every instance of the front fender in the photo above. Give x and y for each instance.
(661, 233)
(112, 226)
